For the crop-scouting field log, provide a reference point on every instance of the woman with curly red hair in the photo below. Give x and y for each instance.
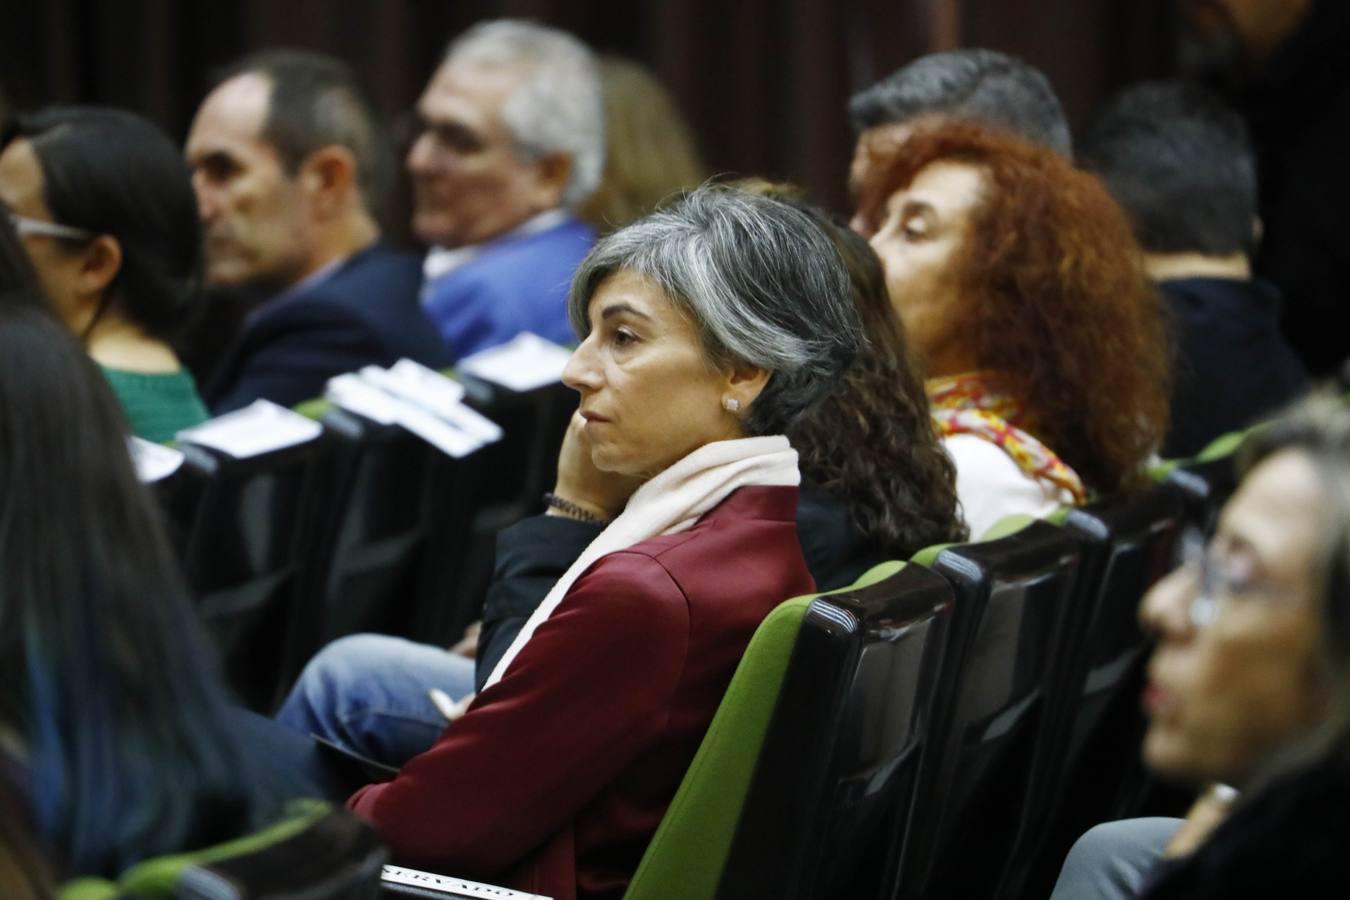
(1019, 283)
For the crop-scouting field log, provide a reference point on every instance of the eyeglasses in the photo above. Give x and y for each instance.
(446, 137)
(1219, 586)
(24, 226)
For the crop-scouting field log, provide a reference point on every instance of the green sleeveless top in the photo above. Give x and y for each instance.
(157, 404)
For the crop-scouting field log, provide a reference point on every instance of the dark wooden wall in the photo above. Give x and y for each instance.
(763, 82)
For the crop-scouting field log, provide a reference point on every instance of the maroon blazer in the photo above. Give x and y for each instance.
(556, 778)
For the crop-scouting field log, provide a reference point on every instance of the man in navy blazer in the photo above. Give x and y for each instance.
(288, 160)
(510, 137)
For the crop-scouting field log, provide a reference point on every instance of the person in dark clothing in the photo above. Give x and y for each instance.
(1248, 686)
(1180, 164)
(115, 727)
(1283, 65)
(290, 162)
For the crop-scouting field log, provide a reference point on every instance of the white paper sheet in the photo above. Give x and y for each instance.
(433, 393)
(353, 393)
(454, 887)
(153, 462)
(523, 363)
(371, 394)
(254, 430)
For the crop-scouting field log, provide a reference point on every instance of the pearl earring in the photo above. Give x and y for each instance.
(731, 404)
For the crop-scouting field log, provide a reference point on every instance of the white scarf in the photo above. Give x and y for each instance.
(670, 503)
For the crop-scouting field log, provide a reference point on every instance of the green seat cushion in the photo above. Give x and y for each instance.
(157, 877)
(689, 849)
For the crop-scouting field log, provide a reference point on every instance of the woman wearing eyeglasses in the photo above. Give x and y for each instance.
(104, 205)
(1249, 689)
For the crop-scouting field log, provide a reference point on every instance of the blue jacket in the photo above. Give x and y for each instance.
(514, 284)
(366, 312)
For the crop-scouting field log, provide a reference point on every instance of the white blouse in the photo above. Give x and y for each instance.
(990, 485)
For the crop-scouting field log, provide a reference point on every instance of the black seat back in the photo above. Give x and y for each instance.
(838, 766)
(1205, 487)
(338, 857)
(1012, 596)
(246, 558)
(1128, 544)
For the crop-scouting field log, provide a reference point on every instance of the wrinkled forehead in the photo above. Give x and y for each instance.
(1279, 515)
(469, 92)
(237, 107)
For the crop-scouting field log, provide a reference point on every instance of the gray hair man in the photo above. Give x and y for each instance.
(509, 138)
(973, 84)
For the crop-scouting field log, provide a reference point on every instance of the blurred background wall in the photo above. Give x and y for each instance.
(764, 83)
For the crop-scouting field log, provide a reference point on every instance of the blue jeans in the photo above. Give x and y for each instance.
(1111, 861)
(368, 694)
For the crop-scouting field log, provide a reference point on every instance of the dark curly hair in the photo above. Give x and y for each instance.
(870, 443)
(1053, 297)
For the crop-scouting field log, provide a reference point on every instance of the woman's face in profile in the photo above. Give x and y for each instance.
(1237, 671)
(919, 239)
(56, 261)
(648, 393)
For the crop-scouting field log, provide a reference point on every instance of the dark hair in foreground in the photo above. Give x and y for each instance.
(1181, 164)
(761, 281)
(16, 272)
(973, 85)
(1053, 297)
(870, 443)
(108, 676)
(317, 101)
(111, 172)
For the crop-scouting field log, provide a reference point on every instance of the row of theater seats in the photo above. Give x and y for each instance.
(364, 527)
(945, 727)
(941, 729)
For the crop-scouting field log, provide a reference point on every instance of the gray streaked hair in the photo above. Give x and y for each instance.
(1318, 427)
(974, 84)
(558, 105)
(761, 281)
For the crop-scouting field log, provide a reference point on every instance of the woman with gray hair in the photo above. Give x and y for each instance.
(1249, 686)
(705, 331)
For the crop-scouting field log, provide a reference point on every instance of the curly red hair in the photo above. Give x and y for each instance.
(1053, 296)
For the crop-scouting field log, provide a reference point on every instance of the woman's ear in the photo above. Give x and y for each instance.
(101, 261)
(744, 385)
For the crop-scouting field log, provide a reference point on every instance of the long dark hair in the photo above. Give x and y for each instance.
(110, 683)
(870, 444)
(16, 272)
(111, 172)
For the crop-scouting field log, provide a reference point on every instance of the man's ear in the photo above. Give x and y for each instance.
(328, 176)
(100, 262)
(552, 173)
(745, 384)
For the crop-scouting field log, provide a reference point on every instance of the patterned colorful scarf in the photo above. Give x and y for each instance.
(971, 403)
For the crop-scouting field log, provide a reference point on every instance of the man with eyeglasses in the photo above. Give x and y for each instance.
(289, 162)
(506, 139)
